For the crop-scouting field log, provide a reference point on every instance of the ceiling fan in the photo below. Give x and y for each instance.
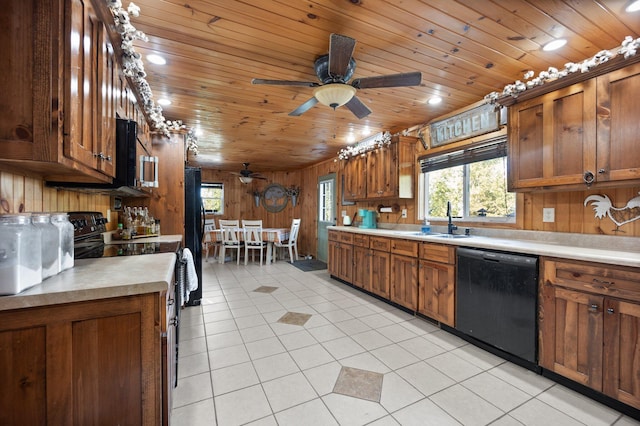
(247, 176)
(334, 71)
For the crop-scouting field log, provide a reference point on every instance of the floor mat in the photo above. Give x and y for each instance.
(307, 265)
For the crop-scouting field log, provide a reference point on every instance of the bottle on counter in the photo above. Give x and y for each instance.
(20, 253)
(50, 242)
(426, 227)
(65, 229)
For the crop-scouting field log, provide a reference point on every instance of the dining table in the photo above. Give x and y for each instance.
(269, 235)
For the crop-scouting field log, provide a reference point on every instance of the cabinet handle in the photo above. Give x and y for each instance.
(607, 284)
(610, 311)
(593, 308)
(588, 177)
(601, 171)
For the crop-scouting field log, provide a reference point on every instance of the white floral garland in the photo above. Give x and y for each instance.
(369, 144)
(628, 48)
(134, 69)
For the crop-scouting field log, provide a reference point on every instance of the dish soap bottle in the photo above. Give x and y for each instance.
(426, 227)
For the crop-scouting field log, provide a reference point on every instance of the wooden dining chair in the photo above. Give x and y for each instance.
(253, 239)
(231, 240)
(292, 242)
(209, 241)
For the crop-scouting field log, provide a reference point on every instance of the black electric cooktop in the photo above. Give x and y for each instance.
(128, 249)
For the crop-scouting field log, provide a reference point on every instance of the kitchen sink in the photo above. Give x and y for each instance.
(452, 236)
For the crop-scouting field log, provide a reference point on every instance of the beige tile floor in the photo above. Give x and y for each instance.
(240, 365)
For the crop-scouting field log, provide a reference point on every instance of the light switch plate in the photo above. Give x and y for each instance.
(404, 213)
(344, 213)
(548, 214)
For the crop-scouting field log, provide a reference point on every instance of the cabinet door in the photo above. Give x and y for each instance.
(23, 376)
(618, 125)
(436, 298)
(341, 261)
(332, 256)
(107, 82)
(552, 138)
(82, 29)
(382, 169)
(621, 355)
(380, 273)
(354, 172)
(404, 281)
(362, 267)
(571, 328)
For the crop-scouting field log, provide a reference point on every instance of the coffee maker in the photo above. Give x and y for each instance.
(368, 218)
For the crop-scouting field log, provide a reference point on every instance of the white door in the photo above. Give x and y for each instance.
(327, 205)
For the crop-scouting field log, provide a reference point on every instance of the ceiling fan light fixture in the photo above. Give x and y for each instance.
(334, 94)
(245, 179)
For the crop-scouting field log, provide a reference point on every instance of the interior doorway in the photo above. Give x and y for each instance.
(327, 205)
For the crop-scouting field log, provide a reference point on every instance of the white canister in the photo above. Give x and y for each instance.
(65, 228)
(50, 243)
(20, 254)
(346, 220)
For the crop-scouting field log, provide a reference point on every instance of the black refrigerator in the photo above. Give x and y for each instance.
(194, 225)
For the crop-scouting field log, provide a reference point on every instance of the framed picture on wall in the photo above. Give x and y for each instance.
(344, 202)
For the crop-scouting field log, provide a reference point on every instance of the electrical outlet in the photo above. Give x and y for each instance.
(404, 213)
(548, 214)
(344, 213)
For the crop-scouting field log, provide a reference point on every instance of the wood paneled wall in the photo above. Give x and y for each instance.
(20, 193)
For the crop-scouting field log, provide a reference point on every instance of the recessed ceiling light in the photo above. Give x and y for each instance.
(554, 45)
(156, 59)
(164, 101)
(434, 100)
(633, 7)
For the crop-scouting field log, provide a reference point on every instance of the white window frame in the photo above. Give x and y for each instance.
(213, 185)
(423, 200)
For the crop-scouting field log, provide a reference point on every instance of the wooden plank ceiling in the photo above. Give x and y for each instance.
(464, 49)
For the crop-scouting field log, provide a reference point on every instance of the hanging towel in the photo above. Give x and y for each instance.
(191, 275)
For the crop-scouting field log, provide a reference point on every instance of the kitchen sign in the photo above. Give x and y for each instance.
(473, 122)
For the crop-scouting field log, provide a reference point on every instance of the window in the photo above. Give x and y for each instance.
(473, 180)
(213, 197)
(325, 206)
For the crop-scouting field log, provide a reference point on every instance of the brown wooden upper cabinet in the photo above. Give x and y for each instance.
(581, 135)
(60, 91)
(382, 173)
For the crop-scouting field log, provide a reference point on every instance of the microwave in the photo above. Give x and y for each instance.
(133, 171)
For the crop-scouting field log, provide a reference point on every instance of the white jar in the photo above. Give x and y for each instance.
(20, 254)
(65, 228)
(50, 243)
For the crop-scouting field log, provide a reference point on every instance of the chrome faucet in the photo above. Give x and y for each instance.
(450, 226)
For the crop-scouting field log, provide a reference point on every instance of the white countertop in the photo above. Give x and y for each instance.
(102, 278)
(540, 248)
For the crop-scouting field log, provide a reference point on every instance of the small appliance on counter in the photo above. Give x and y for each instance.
(368, 218)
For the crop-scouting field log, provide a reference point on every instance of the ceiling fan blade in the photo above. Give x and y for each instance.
(359, 109)
(340, 52)
(304, 107)
(284, 82)
(391, 80)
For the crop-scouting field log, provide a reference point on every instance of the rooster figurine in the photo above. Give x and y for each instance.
(603, 207)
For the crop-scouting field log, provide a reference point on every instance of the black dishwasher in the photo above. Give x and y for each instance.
(496, 302)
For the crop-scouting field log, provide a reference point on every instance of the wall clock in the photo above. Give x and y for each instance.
(274, 198)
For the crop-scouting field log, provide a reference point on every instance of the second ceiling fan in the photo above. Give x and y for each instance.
(334, 71)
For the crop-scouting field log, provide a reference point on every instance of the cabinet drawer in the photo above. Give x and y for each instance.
(617, 281)
(333, 236)
(405, 247)
(360, 240)
(381, 244)
(438, 253)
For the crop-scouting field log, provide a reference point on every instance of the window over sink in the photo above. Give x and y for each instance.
(473, 179)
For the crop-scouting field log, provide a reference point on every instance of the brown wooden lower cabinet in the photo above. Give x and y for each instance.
(590, 326)
(83, 363)
(437, 291)
(362, 268)
(380, 273)
(341, 260)
(404, 281)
